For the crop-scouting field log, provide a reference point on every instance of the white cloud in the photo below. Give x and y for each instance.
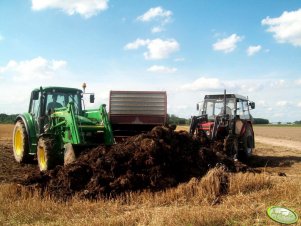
(281, 103)
(157, 48)
(215, 84)
(228, 44)
(37, 68)
(261, 103)
(179, 59)
(298, 82)
(253, 50)
(286, 28)
(161, 49)
(249, 87)
(156, 13)
(157, 29)
(181, 107)
(162, 69)
(137, 43)
(204, 83)
(86, 8)
(299, 104)
(278, 83)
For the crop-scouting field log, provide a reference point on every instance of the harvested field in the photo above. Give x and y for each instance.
(279, 132)
(234, 198)
(6, 131)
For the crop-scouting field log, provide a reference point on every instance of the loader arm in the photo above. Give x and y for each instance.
(101, 117)
(65, 118)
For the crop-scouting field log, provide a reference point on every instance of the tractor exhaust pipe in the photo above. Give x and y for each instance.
(225, 112)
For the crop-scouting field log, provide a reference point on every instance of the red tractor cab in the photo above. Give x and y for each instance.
(226, 117)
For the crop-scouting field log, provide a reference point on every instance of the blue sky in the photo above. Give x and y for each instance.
(188, 48)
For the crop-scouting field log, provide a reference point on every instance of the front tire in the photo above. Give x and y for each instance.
(47, 153)
(20, 143)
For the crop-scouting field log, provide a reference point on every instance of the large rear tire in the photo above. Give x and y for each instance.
(247, 144)
(20, 143)
(46, 153)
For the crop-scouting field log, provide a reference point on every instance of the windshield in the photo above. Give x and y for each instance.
(213, 107)
(60, 99)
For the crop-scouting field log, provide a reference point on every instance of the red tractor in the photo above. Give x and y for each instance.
(226, 119)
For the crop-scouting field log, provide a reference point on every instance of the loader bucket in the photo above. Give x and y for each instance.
(73, 151)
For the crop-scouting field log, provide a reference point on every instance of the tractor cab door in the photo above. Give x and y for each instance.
(35, 108)
(243, 109)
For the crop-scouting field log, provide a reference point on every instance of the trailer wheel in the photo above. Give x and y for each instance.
(20, 143)
(46, 153)
(247, 145)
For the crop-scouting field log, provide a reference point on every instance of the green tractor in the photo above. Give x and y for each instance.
(56, 127)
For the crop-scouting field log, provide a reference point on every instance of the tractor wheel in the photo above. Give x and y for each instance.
(46, 153)
(20, 143)
(247, 145)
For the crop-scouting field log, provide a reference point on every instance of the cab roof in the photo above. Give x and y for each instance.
(221, 96)
(59, 89)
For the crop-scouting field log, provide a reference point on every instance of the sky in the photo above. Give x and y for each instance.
(186, 48)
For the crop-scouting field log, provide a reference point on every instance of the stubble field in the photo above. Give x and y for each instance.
(198, 202)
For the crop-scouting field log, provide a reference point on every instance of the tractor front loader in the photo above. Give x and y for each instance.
(225, 119)
(56, 127)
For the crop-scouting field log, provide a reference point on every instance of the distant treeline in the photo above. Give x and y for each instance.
(260, 121)
(297, 122)
(4, 118)
(175, 120)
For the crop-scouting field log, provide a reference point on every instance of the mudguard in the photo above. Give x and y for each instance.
(31, 131)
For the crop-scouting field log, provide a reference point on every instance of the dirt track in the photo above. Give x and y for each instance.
(296, 145)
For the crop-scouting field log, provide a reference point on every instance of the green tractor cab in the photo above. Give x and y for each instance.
(56, 126)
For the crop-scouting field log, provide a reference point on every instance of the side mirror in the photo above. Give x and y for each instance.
(92, 98)
(252, 105)
(197, 107)
(35, 95)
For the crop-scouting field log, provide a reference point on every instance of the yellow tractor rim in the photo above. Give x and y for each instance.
(42, 159)
(18, 142)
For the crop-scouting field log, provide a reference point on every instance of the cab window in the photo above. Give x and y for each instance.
(243, 109)
(35, 106)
